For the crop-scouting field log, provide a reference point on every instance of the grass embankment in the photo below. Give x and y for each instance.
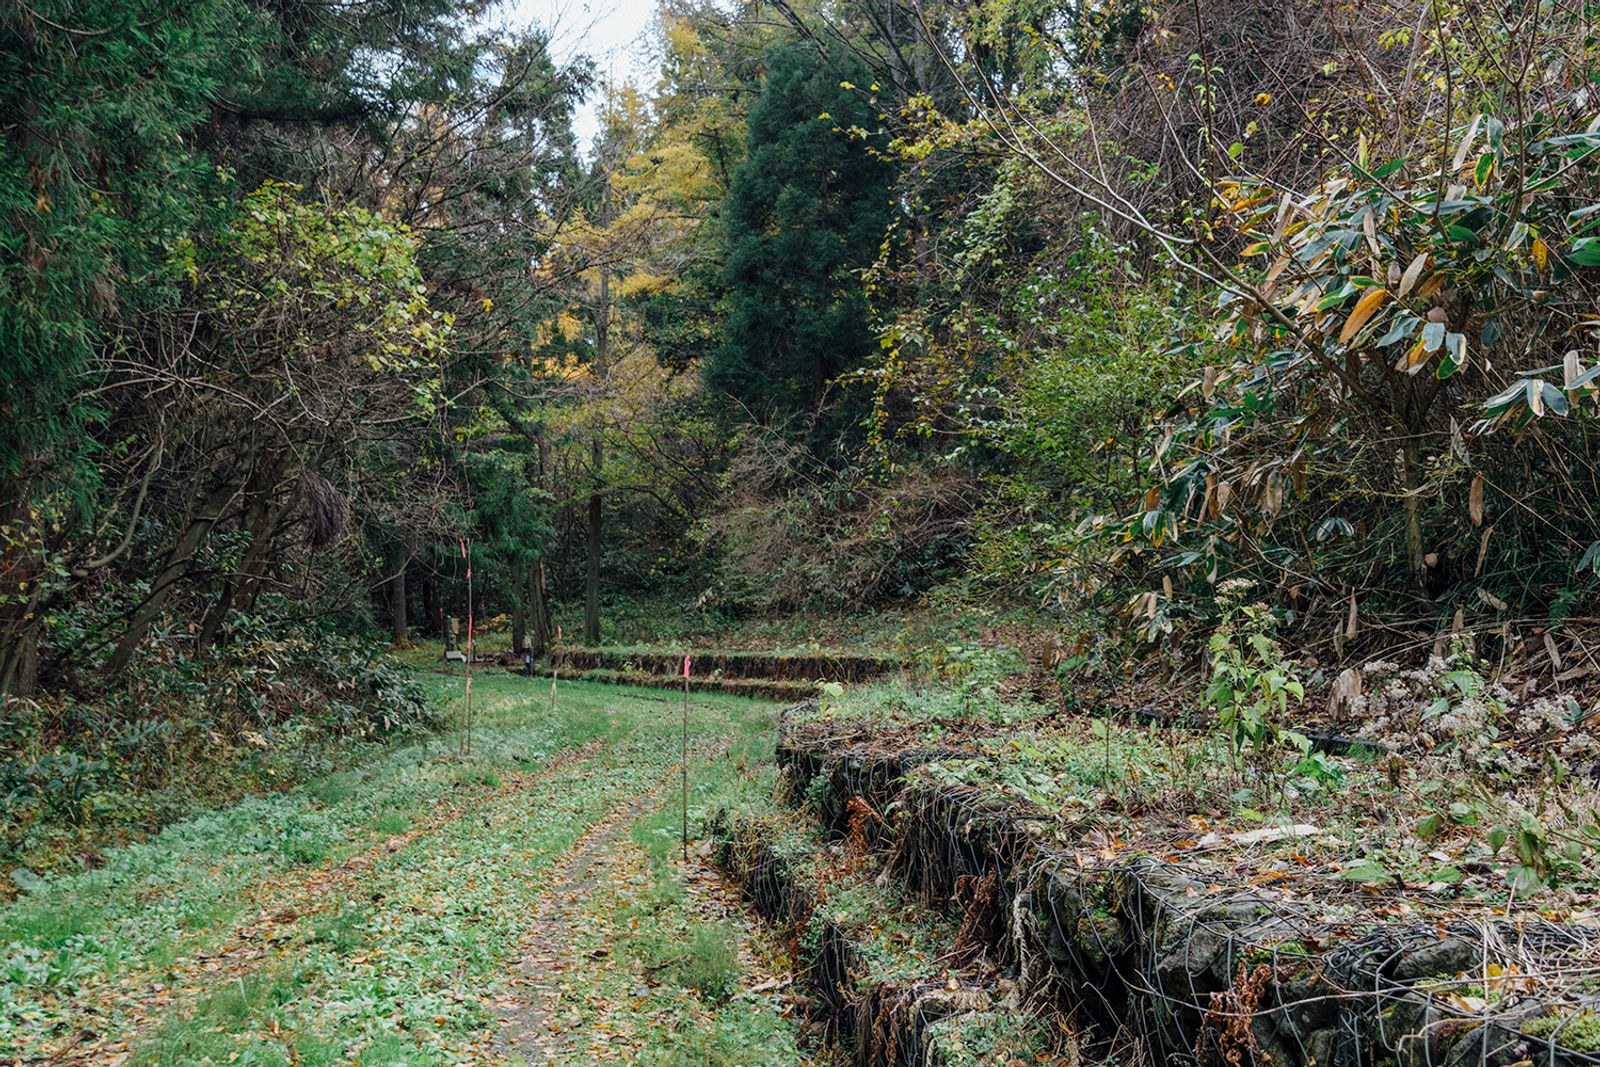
(1140, 872)
(894, 980)
(374, 916)
(1446, 823)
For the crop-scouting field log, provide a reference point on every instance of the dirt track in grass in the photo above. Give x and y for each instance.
(450, 940)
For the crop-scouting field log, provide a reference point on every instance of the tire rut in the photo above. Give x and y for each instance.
(278, 902)
(541, 964)
(526, 1022)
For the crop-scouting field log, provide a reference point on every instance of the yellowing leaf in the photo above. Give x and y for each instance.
(1541, 252)
(1409, 278)
(1484, 170)
(1365, 308)
(1466, 143)
(1413, 360)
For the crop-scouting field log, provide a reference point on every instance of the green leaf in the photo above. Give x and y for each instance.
(1455, 345)
(1524, 880)
(1367, 871)
(1448, 874)
(1508, 396)
(1585, 379)
(1429, 825)
(1585, 251)
(1485, 167)
(1335, 298)
(1401, 329)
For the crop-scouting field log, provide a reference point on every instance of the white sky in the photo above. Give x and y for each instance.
(614, 33)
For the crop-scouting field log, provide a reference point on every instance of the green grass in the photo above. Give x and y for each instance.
(694, 993)
(396, 967)
(992, 1038)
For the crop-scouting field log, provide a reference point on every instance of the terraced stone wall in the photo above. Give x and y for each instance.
(1188, 965)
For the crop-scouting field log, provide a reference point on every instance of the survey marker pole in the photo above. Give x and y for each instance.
(553, 670)
(685, 757)
(465, 739)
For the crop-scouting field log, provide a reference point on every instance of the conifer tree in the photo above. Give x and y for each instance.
(807, 211)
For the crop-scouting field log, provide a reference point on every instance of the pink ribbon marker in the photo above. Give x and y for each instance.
(686, 666)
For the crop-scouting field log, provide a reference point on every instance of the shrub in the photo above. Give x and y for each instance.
(708, 963)
(268, 709)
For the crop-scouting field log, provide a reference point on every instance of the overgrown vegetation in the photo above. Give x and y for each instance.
(1088, 310)
(1195, 397)
(373, 914)
(281, 704)
(1479, 814)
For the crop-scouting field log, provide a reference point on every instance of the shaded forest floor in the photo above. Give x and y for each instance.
(526, 903)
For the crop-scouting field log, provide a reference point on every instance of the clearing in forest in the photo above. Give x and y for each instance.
(528, 903)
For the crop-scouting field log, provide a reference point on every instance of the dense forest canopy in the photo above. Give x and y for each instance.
(307, 308)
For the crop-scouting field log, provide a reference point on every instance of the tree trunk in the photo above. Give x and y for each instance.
(602, 334)
(178, 563)
(538, 610)
(1410, 476)
(19, 668)
(20, 645)
(20, 588)
(591, 594)
(260, 517)
(211, 626)
(519, 613)
(255, 577)
(397, 605)
(430, 604)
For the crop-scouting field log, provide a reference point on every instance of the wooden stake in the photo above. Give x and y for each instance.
(466, 703)
(685, 757)
(553, 671)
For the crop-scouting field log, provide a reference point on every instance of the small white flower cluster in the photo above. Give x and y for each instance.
(1446, 704)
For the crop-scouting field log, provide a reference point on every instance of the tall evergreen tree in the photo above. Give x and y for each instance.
(807, 210)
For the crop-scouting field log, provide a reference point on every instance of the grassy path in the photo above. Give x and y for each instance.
(530, 1015)
(394, 914)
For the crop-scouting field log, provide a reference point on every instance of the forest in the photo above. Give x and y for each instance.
(1111, 484)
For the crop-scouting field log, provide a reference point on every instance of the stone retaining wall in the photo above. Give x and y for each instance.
(1157, 954)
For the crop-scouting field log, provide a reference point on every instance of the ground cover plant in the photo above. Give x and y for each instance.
(1485, 815)
(1164, 895)
(1151, 438)
(370, 915)
(83, 772)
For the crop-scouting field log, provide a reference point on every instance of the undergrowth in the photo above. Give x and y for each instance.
(1478, 818)
(85, 771)
(448, 853)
